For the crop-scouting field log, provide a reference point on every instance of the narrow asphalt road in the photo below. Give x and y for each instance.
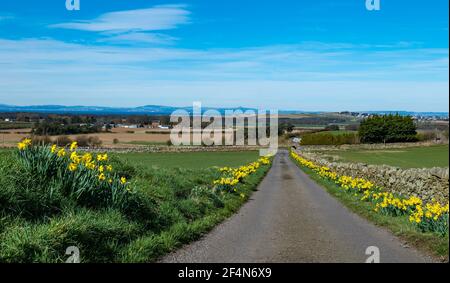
(292, 219)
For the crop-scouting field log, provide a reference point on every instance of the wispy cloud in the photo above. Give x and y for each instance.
(134, 25)
(164, 17)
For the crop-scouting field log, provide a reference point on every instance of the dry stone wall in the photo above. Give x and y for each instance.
(427, 183)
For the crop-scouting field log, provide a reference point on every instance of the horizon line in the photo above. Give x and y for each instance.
(219, 107)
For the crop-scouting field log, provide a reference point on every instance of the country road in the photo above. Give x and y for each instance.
(292, 219)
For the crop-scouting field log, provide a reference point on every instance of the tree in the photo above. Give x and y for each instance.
(285, 127)
(387, 129)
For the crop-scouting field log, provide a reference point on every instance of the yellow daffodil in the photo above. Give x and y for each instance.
(62, 152)
(73, 146)
(102, 177)
(73, 167)
(24, 144)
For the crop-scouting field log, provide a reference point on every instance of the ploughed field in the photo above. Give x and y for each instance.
(412, 157)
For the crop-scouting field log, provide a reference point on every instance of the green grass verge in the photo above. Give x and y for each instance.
(173, 207)
(151, 247)
(400, 226)
(191, 160)
(414, 157)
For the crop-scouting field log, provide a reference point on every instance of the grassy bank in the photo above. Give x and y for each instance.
(431, 243)
(165, 208)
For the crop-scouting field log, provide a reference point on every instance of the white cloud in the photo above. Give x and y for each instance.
(301, 76)
(158, 18)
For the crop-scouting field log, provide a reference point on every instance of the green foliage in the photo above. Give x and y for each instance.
(285, 128)
(330, 138)
(387, 129)
(83, 183)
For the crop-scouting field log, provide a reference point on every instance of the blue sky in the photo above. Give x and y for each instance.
(323, 55)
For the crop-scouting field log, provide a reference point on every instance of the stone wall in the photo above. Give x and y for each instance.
(426, 183)
(376, 146)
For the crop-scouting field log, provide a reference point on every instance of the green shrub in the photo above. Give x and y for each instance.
(387, 129)
(426, 136)
(326, 138)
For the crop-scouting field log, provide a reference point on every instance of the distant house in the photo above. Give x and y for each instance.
(7, 120)
(155, 124)
(131, 126)
(127, 126)
(163, 127)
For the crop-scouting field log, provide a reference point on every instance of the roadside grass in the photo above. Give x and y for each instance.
(4, 152)
(150, 248)
(400, 226)
(413, 157)
(191, 160)
(174, 207)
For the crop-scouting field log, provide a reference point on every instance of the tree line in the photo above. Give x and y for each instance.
(387, 129)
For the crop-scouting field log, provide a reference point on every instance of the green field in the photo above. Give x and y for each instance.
(414, 157)
(191, 160)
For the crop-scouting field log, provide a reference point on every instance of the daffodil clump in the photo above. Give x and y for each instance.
(432, 217)
(429, 217)
(231, 177)
(88, 177)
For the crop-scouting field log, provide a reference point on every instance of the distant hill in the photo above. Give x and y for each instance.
(99, 110)
(167, 110)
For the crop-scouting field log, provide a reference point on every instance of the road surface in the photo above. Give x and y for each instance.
(292, 219)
